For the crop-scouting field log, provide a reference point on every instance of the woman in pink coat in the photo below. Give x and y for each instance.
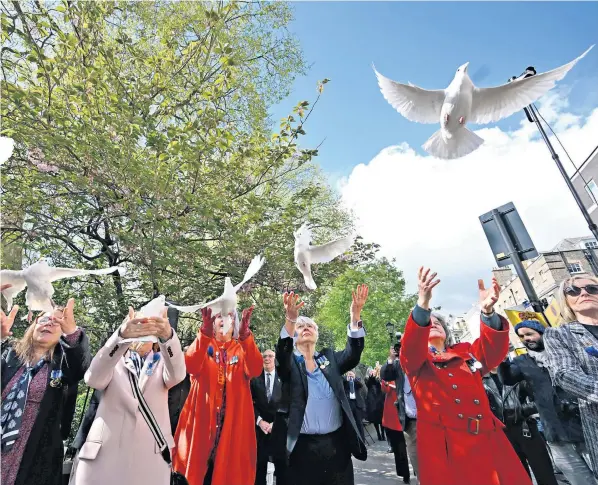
(120, 447)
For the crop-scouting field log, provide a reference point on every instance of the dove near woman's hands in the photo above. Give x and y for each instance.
(244, 330)
(207, 327)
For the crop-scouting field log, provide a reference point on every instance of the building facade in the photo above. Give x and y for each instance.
(585, 181)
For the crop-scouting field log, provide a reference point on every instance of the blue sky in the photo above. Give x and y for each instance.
(424, 43)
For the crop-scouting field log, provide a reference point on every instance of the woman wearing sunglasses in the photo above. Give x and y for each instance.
(52, 355)
(572, 353)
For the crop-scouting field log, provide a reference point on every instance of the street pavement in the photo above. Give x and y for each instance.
(379, 468)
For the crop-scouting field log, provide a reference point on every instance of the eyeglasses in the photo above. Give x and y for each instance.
(46, 320)
(268, 356)
(304, 325)
(576, 290)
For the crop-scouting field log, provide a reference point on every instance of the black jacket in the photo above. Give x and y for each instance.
(374, 402)
(294, 395)
(511, 404)
(42, 459)
(267, 410)
(394, 372)
(558, 409)
(359, 401)
(177, 396)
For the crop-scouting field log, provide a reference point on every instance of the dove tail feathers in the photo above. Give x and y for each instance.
(462, 143)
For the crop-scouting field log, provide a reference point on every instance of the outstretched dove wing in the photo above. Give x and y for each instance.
(414, 103)
(7, 145)
(14, 278)
(327, 252)
(61, 273)
(254, 267)
(493, 104)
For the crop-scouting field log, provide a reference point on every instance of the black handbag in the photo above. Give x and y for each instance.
(175, 477)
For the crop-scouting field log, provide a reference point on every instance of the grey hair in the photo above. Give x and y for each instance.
(302, 319)
(566, 311)
(450, 339)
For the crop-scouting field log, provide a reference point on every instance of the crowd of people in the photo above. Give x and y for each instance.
(219, 410)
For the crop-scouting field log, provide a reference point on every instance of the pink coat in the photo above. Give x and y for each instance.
(120, 447)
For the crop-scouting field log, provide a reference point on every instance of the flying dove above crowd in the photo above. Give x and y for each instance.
(38, 279)
(306, 254)
(462, 102)
(226, 304)
(7, 145)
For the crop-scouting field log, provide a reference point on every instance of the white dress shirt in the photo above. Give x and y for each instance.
(266, 373)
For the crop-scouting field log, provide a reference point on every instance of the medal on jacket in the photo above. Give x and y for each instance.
(56, 378)
(152, 365)
(473, 363)
(234, 360)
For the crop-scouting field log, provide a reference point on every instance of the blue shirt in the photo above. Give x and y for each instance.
(323, 412)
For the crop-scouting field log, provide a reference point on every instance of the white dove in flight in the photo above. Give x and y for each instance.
(38, 279)
(462, 102)
(306, 254)
(7, 145)
(153, 308)
(226, 304)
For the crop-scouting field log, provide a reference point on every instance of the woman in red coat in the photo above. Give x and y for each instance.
(394, 430)
(215, 438)
(459, 440)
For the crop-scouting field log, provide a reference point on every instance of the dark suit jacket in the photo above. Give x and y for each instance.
(294, 395)
(267, 411)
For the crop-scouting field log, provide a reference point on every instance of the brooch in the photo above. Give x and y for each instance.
(210, 351)
(593, 351)
(322, 361)
(234, 359)
(434, 350)
(152, 364)
(218, 357)
(56, 378)
(473, 363)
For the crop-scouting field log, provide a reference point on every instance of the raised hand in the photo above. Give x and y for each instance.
(137, 327)
(292, 304)
(488, 297)
(244, 331)
(163, 329)
(208, 322)
(6, 322)
(426, 283)
(360, 296)
(67, 323)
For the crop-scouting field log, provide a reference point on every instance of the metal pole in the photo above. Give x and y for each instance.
(530, 112)
(516, 260)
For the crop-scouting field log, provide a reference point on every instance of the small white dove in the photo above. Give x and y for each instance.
(152, 309)
(7, 145)
(306, 255)
(462, 102)
(227, 302)
(38, 279)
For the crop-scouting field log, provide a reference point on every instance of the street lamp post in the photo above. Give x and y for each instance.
(532, 116)
(390, 329)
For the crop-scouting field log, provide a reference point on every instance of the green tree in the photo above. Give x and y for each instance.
(387, 301)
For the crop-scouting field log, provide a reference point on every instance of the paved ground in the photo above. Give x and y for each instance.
(379, 468)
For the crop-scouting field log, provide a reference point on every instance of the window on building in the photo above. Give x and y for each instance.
(592, 190)
(574, 268)
(591, 244)
(543, 276)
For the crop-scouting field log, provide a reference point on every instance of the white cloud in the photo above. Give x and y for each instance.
(425, 211)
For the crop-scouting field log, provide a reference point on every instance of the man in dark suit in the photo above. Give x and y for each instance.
(266, 391)
(321, 433)
(353, 389)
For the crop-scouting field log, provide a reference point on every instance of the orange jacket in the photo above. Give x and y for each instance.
(390, 417)
(235, 457)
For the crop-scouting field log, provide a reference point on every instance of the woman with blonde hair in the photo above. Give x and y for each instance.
(121, 446)
(572, 353)
(52, 355)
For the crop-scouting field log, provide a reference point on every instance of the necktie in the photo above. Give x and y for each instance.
(352, 389)
(268, 390)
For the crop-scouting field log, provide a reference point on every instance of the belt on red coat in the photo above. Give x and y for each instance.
(471, 424)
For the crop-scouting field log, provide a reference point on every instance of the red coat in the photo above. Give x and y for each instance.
(235, 457)
(452, 406)
(390, 417)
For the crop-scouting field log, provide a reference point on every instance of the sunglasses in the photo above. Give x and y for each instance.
(576, 290)
(46, 321)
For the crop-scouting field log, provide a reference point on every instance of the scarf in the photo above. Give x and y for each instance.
(14, 406)
(539, 357)
(137, 362)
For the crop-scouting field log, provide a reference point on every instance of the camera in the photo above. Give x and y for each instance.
(397, 344)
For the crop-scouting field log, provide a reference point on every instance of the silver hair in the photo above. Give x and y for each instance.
(450, 339)
(302, 319)
(566, 311)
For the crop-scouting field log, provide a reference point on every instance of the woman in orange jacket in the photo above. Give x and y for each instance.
(394, 430)
(215, 440)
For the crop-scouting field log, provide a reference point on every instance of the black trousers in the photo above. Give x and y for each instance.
(532, 452)
(399, 450)
(265, 451)
(379, 431)
(321, 460)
